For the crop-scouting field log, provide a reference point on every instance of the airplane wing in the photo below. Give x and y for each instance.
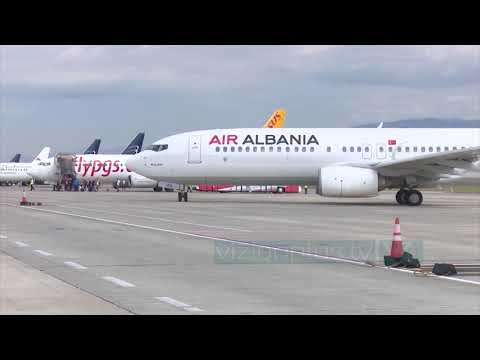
(431, 165)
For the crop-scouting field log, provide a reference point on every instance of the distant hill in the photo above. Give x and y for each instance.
(426, 123)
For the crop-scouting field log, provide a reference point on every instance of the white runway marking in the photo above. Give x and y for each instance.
(75, 265)
(295, 252)
(238, 242)
(155, 218)
(21, 244)
(3, 236)
(178, 304)
(119, 282)
(44, 253)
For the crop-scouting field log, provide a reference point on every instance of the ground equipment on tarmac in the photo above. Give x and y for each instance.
(398, 257)
(406, 260)
(444, 269)
(24, 202)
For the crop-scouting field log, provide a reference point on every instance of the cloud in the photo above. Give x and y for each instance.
(80, 53)
(115, 91)
(219, 68)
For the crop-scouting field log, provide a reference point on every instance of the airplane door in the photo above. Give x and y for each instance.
(366, 151)
(195, 149)
(381, 151)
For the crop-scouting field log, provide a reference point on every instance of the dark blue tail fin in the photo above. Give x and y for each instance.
(16, 158)
(135, 146)
(93, 148)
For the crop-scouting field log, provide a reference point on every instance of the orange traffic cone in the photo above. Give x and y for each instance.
(397, 247)
(24, 199)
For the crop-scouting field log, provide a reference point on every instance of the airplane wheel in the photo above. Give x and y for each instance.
(185, 196)
(401, 197)
(414, 198)
(180, 196)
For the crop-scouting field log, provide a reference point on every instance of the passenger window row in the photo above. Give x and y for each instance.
(358, 149)
(264, 149)
(399, 149)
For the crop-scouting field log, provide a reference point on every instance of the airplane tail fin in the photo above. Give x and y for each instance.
(135, 146)
(16, 158)
(93, 148)
(277, 119)
(44, 154)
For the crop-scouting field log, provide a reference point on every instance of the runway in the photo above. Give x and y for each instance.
(146, 253)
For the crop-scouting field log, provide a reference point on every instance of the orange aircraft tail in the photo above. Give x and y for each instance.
(277, 120)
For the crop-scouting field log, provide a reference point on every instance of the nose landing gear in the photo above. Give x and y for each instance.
(409, 197)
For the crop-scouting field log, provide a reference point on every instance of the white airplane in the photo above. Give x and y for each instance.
(261, 188)
(13, 172)
(340, 162)
(106, 168)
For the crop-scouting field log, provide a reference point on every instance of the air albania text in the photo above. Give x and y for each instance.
(265, 140)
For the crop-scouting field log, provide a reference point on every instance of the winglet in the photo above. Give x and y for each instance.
(277, 119)
(44, 154)
(380, 126)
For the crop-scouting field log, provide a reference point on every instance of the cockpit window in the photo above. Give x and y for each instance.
(157, 148)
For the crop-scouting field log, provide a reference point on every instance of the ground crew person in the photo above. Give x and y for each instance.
(31, 185)
(305, 188)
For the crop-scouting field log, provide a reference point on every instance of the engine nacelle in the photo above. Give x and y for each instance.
(347, 181)
(139, 181)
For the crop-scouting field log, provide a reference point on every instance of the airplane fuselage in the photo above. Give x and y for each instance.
(288, 155)
(14, 172)
(95, 167)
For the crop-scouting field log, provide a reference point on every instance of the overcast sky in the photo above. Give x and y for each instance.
(65, 96)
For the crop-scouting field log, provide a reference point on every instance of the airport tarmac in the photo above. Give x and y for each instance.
(146, 253)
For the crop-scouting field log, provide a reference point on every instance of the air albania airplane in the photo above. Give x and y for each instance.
(340, 162)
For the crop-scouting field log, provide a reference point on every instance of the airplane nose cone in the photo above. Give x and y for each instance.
(135, 163)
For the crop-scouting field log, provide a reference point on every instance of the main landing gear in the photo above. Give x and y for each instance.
(409, 197)
(182, 194)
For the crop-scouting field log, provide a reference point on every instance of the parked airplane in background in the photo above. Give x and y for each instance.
(262, 188)
(340, 162)
(16, 158)
(95, 167)
(14, 172)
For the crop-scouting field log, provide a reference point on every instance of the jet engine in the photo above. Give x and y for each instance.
(347, 181)
(139, 181)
